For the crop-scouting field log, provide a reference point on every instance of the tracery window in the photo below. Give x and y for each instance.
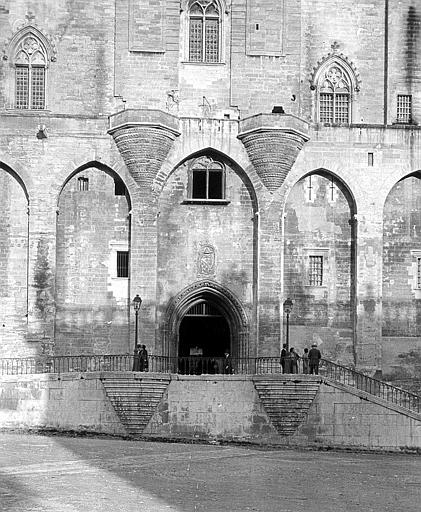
(335, 96)
(207, 179)
(204, 31)
(30, 61)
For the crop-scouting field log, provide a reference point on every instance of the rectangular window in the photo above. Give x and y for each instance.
(196, 40)
(122, 263)
(326, 107)
(419, 273)
(370, 160)
(83, 184)
(404, 108)
(199, 184)
(212, 41)
(22, 87)
(315, 273)
(38, 88)
(342, 108)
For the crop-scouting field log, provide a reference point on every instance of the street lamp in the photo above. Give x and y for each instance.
(287, 309)
(137, 302)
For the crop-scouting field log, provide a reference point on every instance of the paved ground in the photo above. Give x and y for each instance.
(67, 474)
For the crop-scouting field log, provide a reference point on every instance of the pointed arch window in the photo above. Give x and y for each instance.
(204, 31)
(335, 96)
(30, 62)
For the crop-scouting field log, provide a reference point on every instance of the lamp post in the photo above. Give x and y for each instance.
(137, 302)
(287, 309)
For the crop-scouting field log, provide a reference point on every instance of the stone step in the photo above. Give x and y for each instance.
(286, 402)
(135, 400)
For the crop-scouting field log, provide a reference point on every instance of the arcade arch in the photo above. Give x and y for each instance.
(14, 247)
(401, 291)
(319, 264)
(92, 263)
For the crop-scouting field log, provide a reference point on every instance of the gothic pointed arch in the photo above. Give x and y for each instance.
(320, 233)
(217, 296)
(30, 52)
(335, 81)
(203, 29)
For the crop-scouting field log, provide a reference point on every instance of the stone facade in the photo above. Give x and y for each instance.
(124, 106)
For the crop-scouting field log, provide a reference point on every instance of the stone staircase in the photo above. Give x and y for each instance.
(135, 398)
(286, 399)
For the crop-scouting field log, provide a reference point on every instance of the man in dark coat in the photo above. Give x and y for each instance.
(143, 355)
(283, 355)
(314, 357)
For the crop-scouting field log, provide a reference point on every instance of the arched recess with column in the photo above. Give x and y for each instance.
(93, 262)
(320, 264)
(207, 229)
(14, 246)
(194, 302)
(401, 308)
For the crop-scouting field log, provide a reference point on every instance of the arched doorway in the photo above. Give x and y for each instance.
(208, 316)
(204, 331)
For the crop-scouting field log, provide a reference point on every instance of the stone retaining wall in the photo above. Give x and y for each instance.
(208, 408)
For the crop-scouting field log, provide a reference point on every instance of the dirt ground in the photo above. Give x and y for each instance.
(88, 474)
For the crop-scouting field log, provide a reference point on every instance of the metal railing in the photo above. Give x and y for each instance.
(370, 385)
(198, 365)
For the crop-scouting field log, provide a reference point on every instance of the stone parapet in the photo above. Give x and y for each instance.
(273, 142)
(144, 139)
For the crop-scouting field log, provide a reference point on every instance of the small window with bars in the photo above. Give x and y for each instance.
(204, 32)
(82, 184)
(404, 109)
(315, 271)
(419, 273)
(122, 263)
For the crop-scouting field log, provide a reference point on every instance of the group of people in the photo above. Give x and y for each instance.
(140, 360)
(310, 360)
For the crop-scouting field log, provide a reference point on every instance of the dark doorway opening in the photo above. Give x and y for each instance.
(204, 331)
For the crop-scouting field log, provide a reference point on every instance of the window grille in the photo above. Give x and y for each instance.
(419, 272)
(122, 263)
(204, 32)
(83, 184)
(404, 108)
(335, 96)
(207, 179)
(316, 271)
(30, 64)
(203, 309)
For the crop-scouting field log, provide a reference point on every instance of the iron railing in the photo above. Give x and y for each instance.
(370, 385)
(197, 365)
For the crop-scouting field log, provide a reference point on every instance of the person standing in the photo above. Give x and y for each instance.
(314, 357)
(305, 360)
(143, 355)
(294, 360)
(283, 355)
(136, 359)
